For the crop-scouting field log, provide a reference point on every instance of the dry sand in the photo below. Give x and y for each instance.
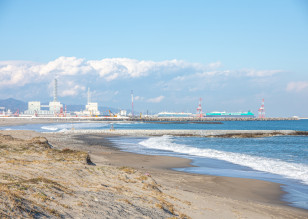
(37, 180)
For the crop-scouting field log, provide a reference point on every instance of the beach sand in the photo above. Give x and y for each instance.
(56, 182)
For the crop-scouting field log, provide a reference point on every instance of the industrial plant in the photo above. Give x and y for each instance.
(91, 108)
(56, 109)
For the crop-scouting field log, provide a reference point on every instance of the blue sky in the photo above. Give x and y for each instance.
(171, 53)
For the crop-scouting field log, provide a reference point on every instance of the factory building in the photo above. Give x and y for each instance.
(53, 109)
(91, 108)
(123, 113)
(34, 106)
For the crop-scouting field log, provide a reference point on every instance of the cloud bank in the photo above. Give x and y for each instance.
(19, 73)
(156, 99)
(297, 86)
(175, 84)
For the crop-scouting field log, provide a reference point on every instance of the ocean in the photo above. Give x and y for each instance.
(280, 159)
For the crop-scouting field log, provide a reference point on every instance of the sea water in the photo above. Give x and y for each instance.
(281, 159)
(300, 125)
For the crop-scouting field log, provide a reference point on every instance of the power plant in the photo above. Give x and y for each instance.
(55, 109)
(91, 108)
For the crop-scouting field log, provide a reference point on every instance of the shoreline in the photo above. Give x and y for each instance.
(247, 196)
(236, 188)
(168, 163)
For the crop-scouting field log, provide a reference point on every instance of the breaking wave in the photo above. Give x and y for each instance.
(68, 126)
(275, 166)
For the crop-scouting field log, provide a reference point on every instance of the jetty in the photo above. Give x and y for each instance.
(190, 133)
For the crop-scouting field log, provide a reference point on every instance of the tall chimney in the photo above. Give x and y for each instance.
(55, 91)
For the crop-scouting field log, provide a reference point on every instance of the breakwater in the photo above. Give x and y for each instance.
(207, 119)
(188, 133)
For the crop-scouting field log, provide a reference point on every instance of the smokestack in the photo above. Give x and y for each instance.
(89, 96)
(55, 91)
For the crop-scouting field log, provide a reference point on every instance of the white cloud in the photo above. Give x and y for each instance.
(297, 86)
(261, 73)
(214, 65)
(156, 99)
(112, 76)
(21, 73)
(71, 88)
(114, 68)
(62, 66)
(124, 67)
(12, 75)
(138, 98)
(214, 73)
(73, 91)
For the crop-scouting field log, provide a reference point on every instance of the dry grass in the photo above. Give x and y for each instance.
(151, 187)
(67, 155)
(9, 177)
(127, 170)
(24, 195)
(14, 205)
(142, 178)
(126, 201)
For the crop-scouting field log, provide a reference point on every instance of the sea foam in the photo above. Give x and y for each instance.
(68, 126)
(275, 166)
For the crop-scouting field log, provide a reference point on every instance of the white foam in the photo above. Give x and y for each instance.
(50, 128)
(63, 130)
(287, 169)
(68, 126)
(127, 123)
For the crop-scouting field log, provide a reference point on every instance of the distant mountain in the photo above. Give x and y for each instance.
(13, 105)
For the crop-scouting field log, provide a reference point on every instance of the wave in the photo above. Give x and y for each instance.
(275, 166)
(67, 126)
(50, 128)
(63, 130)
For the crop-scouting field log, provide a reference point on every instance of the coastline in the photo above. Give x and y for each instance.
(211, 196)
(263, 191)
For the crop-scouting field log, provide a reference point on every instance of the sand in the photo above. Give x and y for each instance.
(58, 182)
